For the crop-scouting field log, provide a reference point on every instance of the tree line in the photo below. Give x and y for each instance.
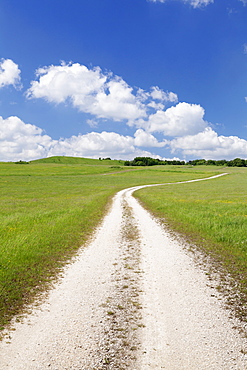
(148, 161)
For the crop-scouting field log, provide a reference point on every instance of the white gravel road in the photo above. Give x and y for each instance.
(133, 299)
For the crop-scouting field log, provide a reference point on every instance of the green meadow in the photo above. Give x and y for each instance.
(212, 215)
(49, 208)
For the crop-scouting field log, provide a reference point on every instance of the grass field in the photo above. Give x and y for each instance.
(48, 209)
(212, 214)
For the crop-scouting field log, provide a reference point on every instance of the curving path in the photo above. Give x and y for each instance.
(132, 299)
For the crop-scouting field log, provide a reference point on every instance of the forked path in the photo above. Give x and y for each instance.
(132, 299)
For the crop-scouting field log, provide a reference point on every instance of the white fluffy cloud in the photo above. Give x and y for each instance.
(182, 119)
(92, 91)
(145, 139)
(104, 95)
(21, 141)
(95, 144)
(9, 73)
(209, 145)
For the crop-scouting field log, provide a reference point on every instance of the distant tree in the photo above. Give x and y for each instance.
(21, 162)
(221, 162)
(210, 162)
(198, 162)
(237, 162)
(148, 161)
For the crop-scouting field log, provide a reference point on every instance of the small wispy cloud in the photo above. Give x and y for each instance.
(199, 3)
(193, 3)
(92, 123)
(245, 48)
(156, 1)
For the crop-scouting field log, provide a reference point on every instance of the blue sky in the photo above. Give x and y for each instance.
(123, 78)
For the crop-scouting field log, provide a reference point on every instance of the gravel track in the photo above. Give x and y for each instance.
(132, 299)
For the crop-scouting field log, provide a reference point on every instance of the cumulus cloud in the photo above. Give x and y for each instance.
(95, 144)
(21, 141)
(182, 119)
(91, 91)
(103, 95)
(9, 73)
(118, 102)
(145, 139)
(106, 96)
(105, 144)
(209, 145)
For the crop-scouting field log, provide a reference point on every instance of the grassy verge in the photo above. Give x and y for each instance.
(43, 221)
(213, 215)
(48, 210)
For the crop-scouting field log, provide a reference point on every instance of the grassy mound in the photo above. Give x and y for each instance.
(78, 160)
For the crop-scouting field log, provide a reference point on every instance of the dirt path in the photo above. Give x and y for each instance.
(133, 299)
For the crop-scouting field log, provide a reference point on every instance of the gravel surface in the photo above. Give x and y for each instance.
(133, 299)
